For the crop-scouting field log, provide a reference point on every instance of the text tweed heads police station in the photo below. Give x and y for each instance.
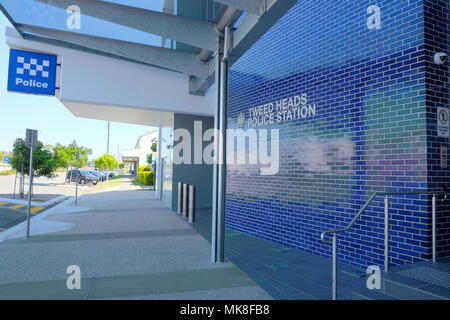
(292, 108)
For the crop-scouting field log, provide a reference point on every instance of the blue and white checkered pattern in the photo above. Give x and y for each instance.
(31, 67)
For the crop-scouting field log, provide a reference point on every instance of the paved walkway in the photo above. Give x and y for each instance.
(127, 245)
(283, 272)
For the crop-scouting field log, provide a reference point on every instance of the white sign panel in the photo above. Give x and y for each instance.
(443, 124)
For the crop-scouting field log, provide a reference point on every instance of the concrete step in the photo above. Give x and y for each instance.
(408, 289)
(419, 281)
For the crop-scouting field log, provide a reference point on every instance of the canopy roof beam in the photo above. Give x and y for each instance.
(175, 60)
(256, 7)
(248, 32)
(193, 32)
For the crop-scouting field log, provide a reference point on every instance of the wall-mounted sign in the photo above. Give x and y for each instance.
(6, 159)
(287, 109)
(32, 72)
(443, 123)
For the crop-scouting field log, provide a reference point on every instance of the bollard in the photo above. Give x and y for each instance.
(180, 197)
(191, 204)
(185, 200)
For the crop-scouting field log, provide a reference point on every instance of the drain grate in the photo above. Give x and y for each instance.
(428, 275)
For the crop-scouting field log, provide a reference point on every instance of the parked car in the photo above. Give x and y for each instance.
(104, 173)
(100, 175)
(83, 177)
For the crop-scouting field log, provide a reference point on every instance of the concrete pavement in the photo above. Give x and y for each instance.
(128, 246)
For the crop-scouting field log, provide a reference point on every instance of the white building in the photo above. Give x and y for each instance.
(138, 156)
(5, 167)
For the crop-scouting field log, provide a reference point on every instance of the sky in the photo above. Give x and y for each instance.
(52, 120)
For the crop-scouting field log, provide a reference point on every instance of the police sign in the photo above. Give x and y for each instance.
(443, 122)
(32, 72)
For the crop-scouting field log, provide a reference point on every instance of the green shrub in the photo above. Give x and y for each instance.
(146, 177)
(144, 168)
(7, 172)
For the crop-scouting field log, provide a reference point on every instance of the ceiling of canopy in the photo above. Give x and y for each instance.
(174, 35)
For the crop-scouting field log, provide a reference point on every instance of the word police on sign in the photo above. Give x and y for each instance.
(32, 72)
(443, 123)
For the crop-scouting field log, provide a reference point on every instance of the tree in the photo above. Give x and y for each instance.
(44, 161)
(106, 161)
(121, 165)
(154, 145)
(66, 155)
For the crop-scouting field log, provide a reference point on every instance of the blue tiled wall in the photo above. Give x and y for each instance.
(437, 39)
(373, 130)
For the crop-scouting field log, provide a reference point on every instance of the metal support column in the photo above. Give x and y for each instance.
(433, 221)
(386, 234)
(107, 142)
(191, 208)
(221, 191)
(217, 59)
(185, 200)
(334, 267)
(180, 198)
(76, 179)
(159, 183)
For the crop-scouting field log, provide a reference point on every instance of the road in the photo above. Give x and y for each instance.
(12, 214)
(42, 185)
(14, 211)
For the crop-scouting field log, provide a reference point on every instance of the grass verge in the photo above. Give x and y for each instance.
(111, 183)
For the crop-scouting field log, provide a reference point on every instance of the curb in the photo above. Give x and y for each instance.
(7, 233)
(34, 203)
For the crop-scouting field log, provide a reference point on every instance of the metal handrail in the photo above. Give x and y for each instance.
(386, 221)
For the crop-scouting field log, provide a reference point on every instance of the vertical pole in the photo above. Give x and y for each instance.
(107, 151)
(29, 187)
(180, 197)
(191, 204)
(334, 266)
(107, 143)
(76, 178)
(22, 183)
(386, 234)
(159, 166)
(221, 191)
(214, 234)
(15, 180)
(185, 200)
(118, 158)
(433, 218)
